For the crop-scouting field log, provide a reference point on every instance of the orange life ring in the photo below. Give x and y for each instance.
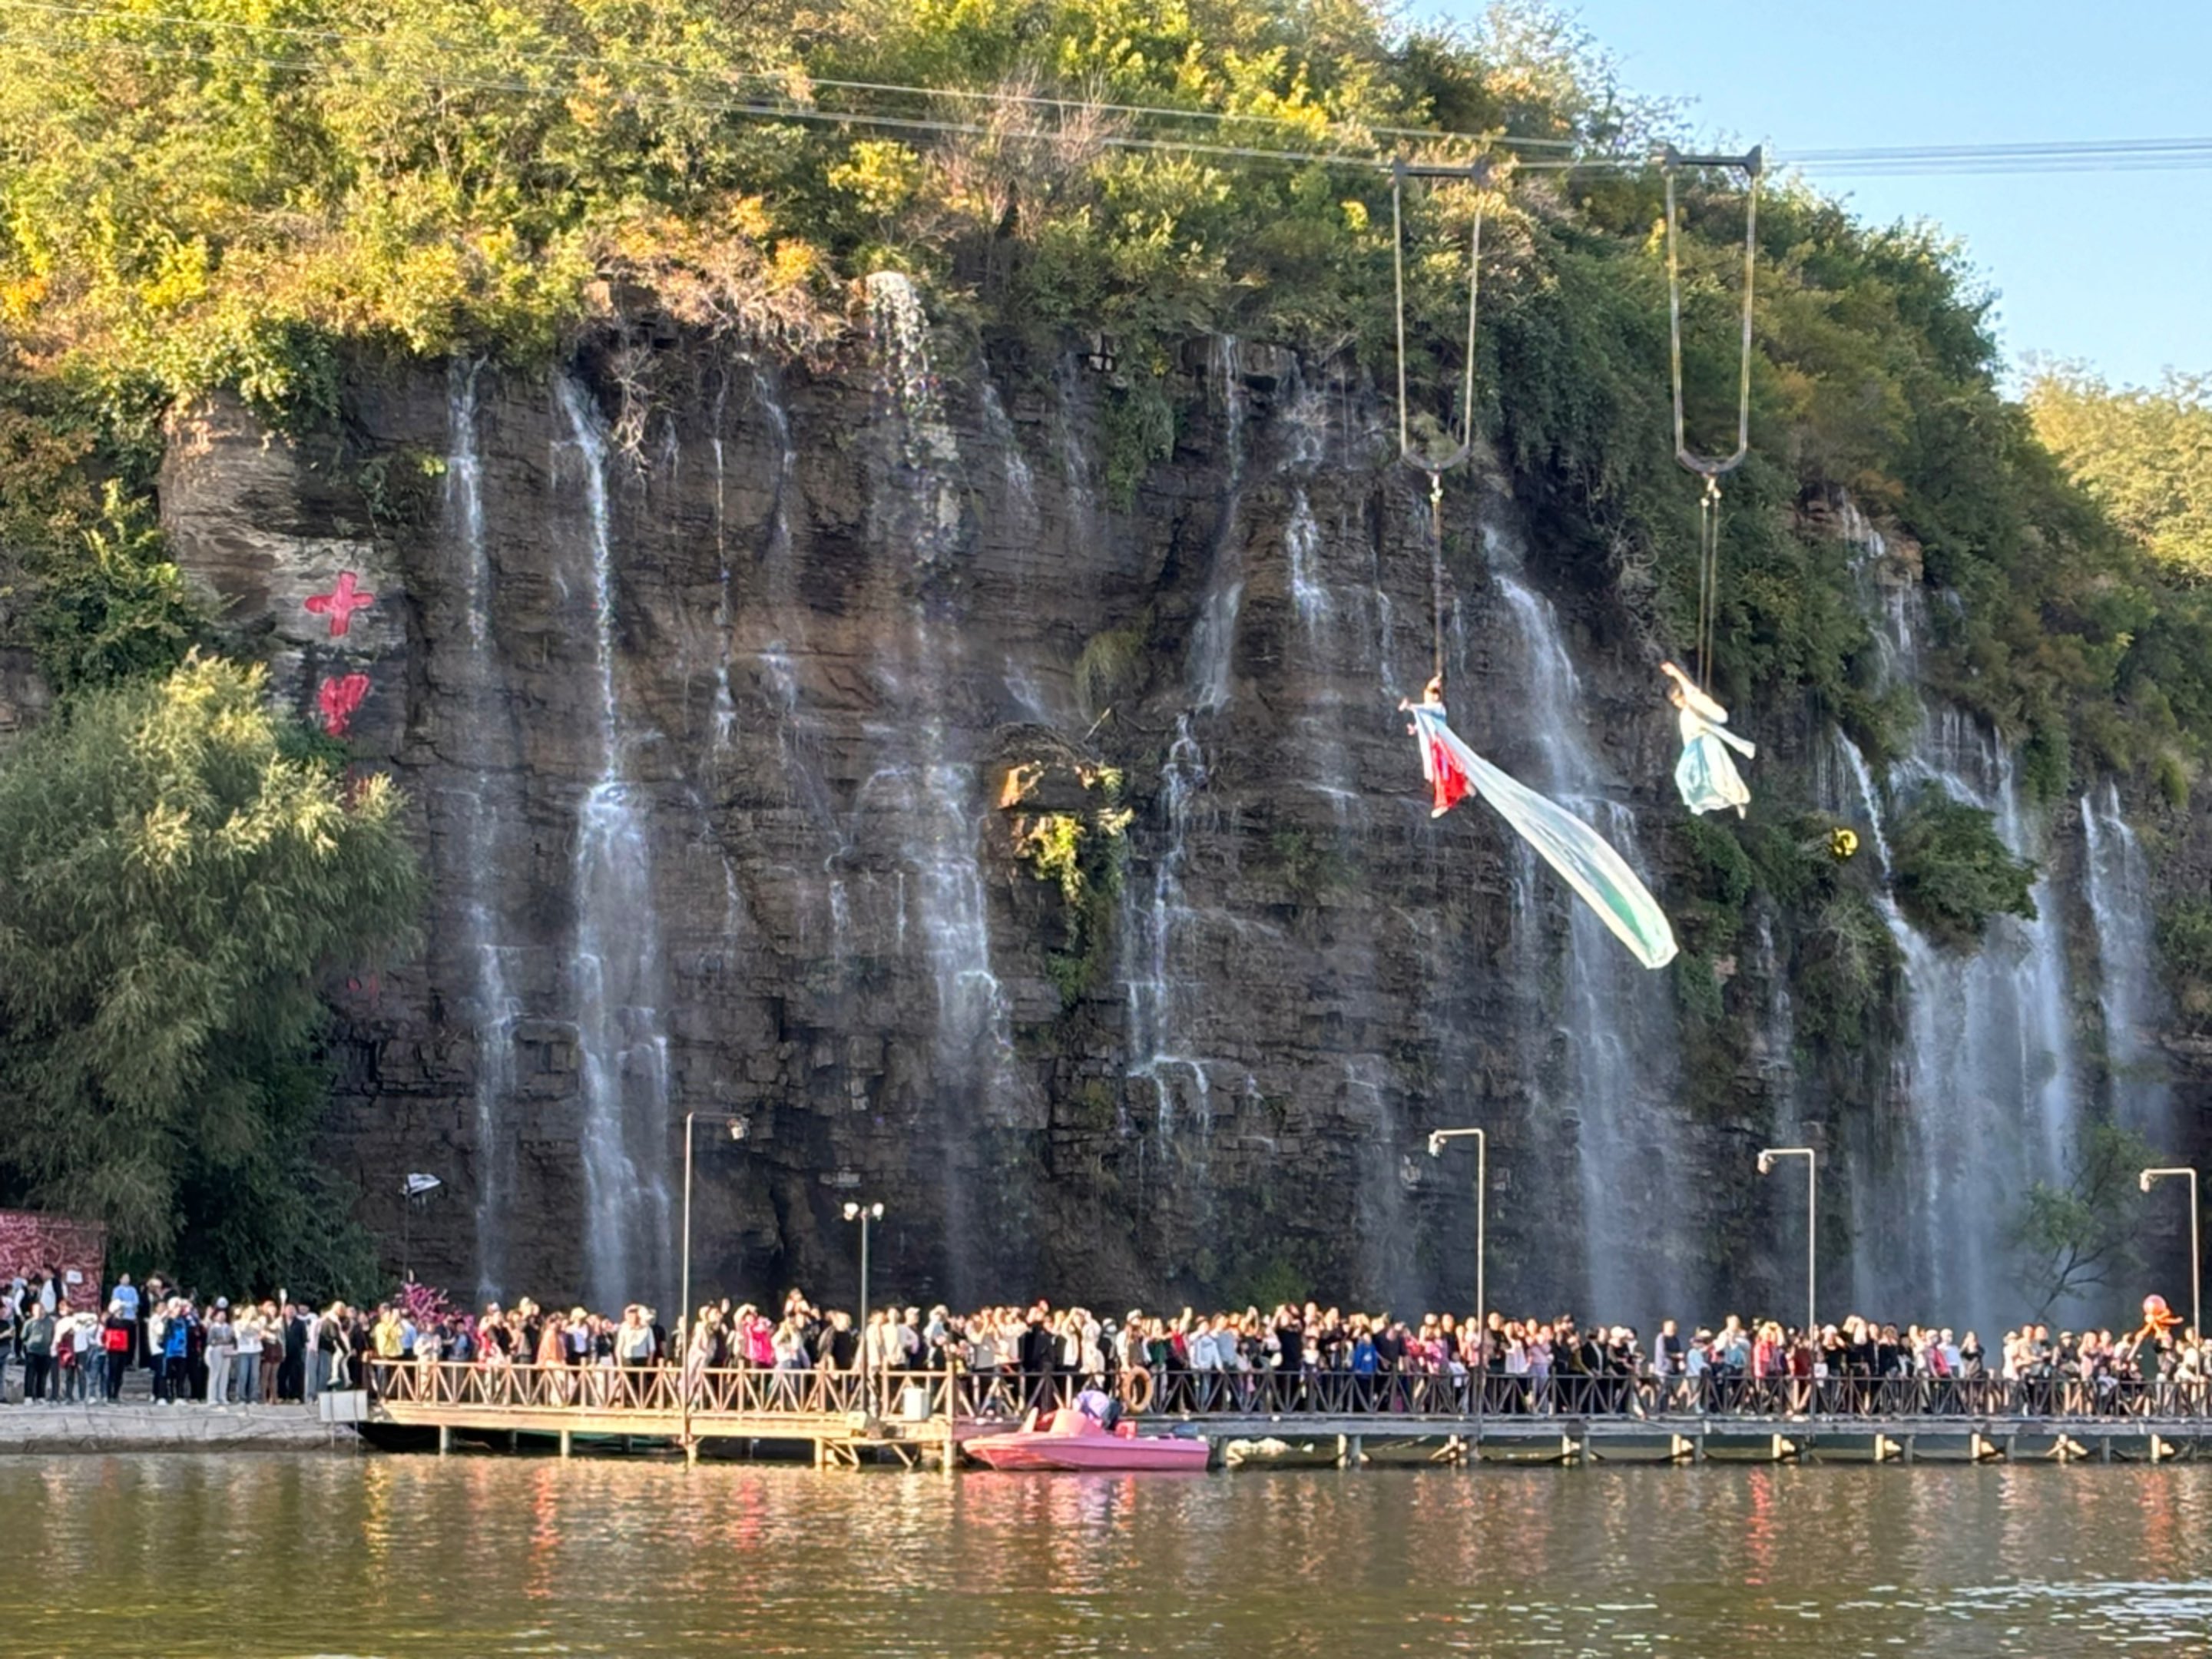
(1136, 1388)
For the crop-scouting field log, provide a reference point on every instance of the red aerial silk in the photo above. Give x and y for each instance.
(1449, 783)
(1582, 857)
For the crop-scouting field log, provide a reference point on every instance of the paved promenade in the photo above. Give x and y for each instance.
(147, 1427)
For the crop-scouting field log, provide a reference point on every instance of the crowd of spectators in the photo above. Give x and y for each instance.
(207, 1352)
(278, 1350)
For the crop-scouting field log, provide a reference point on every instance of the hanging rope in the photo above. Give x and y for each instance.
(1436, 571)
(1437, 464)
(1711, 468)
(1709, 563)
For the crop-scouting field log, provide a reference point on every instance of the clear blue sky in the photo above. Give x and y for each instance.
(2113, 269)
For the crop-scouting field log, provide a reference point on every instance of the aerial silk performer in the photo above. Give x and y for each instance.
(1584, 858)
(1705, 775)
(1453, 771)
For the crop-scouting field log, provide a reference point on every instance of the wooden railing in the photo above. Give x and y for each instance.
(657, 1390)
(758, 1394)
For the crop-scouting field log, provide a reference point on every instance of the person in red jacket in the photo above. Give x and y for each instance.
(117, 1332)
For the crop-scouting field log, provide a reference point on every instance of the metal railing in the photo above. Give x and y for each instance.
(1000, 1396)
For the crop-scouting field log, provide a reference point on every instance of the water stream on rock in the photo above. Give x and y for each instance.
(1213, 637)
(1989, 1083)
(1154, 928)
(493, 1006)
(617, 972)
(1613, 1018)
(934, 791)
(2123, 906)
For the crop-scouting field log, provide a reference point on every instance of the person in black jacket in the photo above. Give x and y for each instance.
(292, 1373)
(1037, 1350)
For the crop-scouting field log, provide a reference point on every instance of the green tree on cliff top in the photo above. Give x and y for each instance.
(2145, 455)
(173, 876)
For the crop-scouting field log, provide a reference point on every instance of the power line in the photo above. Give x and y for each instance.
(2022, 151)
(2075, 156)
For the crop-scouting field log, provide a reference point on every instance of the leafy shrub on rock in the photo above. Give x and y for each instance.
(1954, 871)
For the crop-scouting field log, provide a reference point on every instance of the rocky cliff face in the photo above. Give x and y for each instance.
(771, 727)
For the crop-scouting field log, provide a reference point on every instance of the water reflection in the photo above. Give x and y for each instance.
(501, 1556)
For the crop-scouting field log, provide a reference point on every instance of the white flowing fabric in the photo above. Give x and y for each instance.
(1584, 859)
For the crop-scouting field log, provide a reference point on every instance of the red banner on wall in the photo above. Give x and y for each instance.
(30, 1243)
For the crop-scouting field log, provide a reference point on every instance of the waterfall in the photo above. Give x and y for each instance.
(1153, 930)
(726, 708)
(493, 1007)
(2122, 906)
(1021, 482)
(1302, 547)
(1989, 1077)
(1305, 423)
(1213, 639)
(1613, 1018)
(616, 966)
(1863, 794)
(1988, 1081)
(938, 811)
(1154, 1011)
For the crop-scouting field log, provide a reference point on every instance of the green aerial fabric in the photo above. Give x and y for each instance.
(1584, 858)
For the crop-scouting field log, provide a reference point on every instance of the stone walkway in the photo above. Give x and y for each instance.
(133, 1427)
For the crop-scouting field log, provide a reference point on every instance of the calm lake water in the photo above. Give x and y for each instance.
(278, 1555)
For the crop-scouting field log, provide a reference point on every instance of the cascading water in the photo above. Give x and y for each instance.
(726, 708)
(1613, 1018)
(493, 1006)
(934, 793)
(798, 741)
(1152, 986)
(617, 969)
(1021, 482)
(1154, 928)
(1213, 638)
(1302, 546)
(1988, 1081)
(2122, 905)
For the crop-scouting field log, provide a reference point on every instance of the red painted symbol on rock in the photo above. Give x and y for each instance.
(340, 603)
(338, 696)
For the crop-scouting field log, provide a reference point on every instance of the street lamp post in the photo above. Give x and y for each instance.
(683, 1331)
(2196, 1252)
(1437, 1138)
(865, 1214)
(1767, 1157)
(414, 1187)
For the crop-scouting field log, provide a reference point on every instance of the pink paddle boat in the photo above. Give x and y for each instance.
(1071, 1439)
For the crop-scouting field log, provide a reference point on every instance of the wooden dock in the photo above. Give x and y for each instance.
(841, 1420)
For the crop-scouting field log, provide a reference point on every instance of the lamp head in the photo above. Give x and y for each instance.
(1436, 1145)
(2143, 1181)
(852, 1210)
(1767, 1163)
(875, 1212)
(737, 1128)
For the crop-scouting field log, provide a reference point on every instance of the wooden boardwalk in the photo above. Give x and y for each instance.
(842, 1418)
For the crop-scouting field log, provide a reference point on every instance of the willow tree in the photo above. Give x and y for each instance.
(177, 871)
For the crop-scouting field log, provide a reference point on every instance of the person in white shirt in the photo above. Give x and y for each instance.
(222, 1352)
(247, 1331)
